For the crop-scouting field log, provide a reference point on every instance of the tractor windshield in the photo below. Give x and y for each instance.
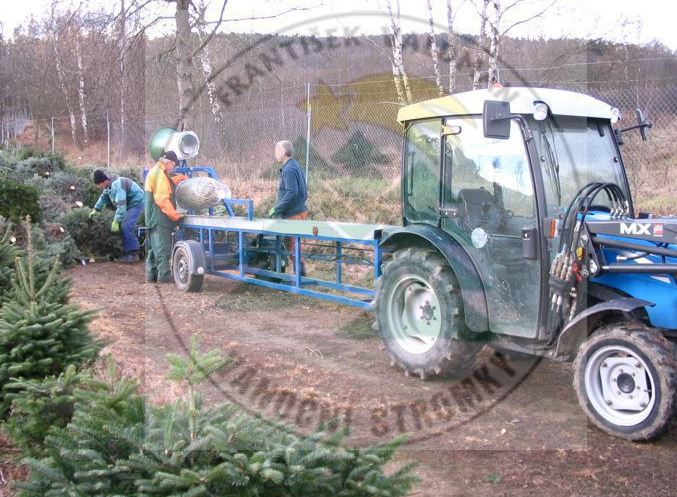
(575, 151)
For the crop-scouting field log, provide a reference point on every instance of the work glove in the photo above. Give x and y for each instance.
(271, 212)
(115, 227)
(93, 213)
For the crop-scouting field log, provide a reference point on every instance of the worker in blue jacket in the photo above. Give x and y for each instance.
(126, 197)
(292, 193)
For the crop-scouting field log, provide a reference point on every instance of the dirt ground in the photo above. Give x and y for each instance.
(510, 427)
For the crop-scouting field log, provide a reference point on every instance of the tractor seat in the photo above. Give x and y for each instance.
(480, 208)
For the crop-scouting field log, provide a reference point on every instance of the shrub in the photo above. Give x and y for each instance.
(92, 236)
(52, 206)
(37, 165)
(18, 201)
(71, 187)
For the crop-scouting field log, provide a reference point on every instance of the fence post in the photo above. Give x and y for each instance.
(107, 142)
(309, 113)
(52, 134)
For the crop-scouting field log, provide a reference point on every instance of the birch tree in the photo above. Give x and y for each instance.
(452, 44)
(81, 88)
(122, 51)
(184, 65)
(492, 15)
(57, 38)
(206, 63)
(399, 74)
(481, 46)
(433, 49)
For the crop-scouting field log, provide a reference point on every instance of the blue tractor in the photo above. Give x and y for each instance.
(519, 231)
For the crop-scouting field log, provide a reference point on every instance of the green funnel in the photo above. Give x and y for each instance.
(158, 141)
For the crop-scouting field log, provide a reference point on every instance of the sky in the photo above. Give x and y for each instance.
(616, 20)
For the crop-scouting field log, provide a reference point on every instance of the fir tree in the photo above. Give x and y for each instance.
(318, 166)
(40, 334)
(8, 254)
(360, 155)
(87, 458)
(116, 445)
(43, 406)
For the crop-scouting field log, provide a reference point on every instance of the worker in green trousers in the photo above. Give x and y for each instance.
(161, 217)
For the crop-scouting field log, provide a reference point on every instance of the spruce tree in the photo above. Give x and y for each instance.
(360, 155)
(40, 334)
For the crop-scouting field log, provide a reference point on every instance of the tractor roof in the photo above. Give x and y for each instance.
(521, 100)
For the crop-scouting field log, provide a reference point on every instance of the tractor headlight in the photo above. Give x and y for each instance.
(540, 111)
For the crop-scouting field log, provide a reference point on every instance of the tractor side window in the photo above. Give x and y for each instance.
(422, 167)
(488, 178)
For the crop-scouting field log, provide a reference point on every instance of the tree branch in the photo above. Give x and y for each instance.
(216, 26)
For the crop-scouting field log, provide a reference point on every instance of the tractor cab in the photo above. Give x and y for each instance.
(495, 169)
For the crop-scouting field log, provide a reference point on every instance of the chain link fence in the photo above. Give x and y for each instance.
(341, 133)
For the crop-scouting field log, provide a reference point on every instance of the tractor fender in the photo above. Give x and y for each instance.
(470, 283)
(577, 329)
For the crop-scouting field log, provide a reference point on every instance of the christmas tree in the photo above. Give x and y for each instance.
(8, 254)
(117, 444)
(318, 166)
(40, 334)
(43, 406)
(360, 155)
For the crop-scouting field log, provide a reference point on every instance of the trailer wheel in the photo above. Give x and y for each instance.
(625, 378)
(188, 265)
(419, 312)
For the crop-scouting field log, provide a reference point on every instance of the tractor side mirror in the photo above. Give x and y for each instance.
(496, 119)
(643, 125)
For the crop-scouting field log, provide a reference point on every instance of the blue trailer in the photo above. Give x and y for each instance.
(237, 246)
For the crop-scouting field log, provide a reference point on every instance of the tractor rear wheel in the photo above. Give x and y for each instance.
(419, 314)
(625, 378)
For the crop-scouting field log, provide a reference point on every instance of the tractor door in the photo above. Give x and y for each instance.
(488, 206)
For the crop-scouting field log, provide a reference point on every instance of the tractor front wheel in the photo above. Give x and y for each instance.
(419, 313)
(625, 378)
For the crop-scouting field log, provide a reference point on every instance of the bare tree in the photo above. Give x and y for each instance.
(433, 48)
(493, 17)
(494, 24)
(480, 49)
(184, 64)
(399, 74)
(205, 62)
(452, 44)
(81, 88)
(60, 28)
(122, 50)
